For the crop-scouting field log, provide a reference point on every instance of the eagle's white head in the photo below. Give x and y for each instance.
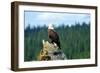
(50, 26)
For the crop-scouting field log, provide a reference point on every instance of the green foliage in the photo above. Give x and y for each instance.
(75, 41)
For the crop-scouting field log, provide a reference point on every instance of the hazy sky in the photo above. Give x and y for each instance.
(35, 19)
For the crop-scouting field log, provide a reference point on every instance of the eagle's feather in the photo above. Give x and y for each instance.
(53, 36)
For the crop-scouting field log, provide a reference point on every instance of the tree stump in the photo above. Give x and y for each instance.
(51, 51)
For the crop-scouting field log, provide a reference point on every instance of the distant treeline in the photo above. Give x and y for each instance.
(75, 41)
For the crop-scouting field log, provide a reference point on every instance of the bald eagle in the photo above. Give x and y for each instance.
(53, 36)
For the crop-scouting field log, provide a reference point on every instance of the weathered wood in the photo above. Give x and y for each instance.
(51, 52)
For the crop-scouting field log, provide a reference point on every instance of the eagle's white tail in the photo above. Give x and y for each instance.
(43, 41)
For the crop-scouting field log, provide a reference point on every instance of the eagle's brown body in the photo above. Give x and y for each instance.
(54, 37)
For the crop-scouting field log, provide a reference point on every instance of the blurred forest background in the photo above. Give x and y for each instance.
(75, 41)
